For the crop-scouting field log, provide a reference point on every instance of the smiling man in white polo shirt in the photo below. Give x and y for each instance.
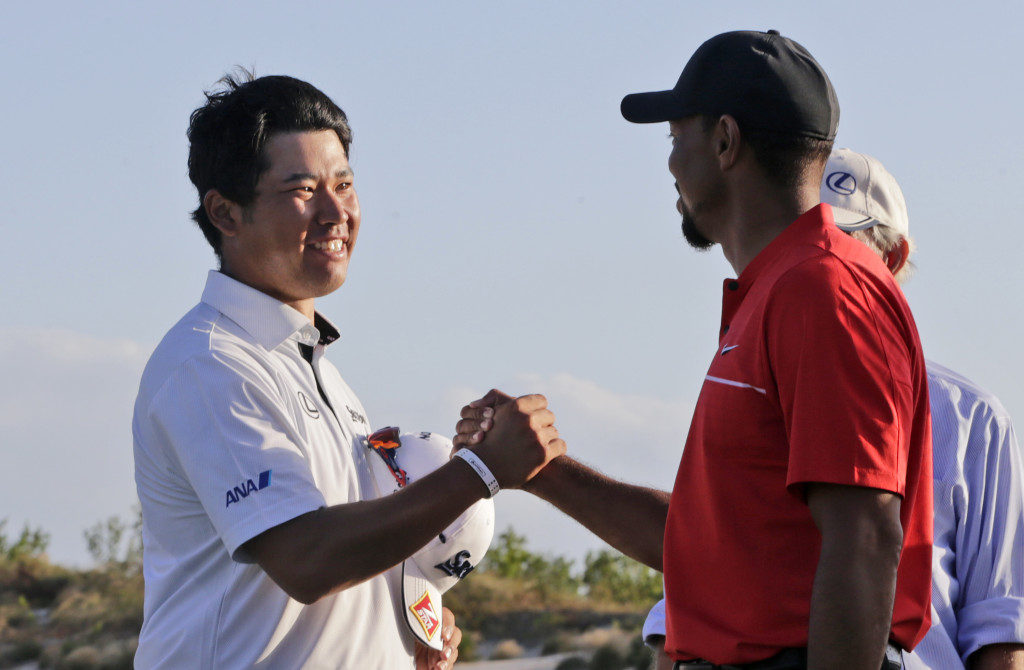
(267, 542)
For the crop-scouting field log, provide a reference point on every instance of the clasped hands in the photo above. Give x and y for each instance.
(515, 437)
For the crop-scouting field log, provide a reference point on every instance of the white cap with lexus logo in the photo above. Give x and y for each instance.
(401, 458)
(863, 193)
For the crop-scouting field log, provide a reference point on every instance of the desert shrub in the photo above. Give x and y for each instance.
(469, 647)
(31, 542)
(20, 652)
(639, 656)
(557, 644)
(607, 658)
(605, 636)
(116, 544)
(505, 650)
(86, 657)
(573, 663)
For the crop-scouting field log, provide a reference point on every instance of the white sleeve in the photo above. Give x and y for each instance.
(990, 535)
(224, 422)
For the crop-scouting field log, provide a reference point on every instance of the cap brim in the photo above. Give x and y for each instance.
(848, 220)
(421, 602)
(655, 107)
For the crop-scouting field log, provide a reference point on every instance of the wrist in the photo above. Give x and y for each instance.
(547, 479)
(473, 460)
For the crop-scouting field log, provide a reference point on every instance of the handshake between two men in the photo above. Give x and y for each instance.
(517, 440)
(515, 437)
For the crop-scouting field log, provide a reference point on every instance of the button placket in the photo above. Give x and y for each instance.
(313, 360)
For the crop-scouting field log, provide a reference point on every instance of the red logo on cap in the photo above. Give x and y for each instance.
(425, 614)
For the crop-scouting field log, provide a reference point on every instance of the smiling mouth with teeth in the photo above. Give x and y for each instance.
(334, 246)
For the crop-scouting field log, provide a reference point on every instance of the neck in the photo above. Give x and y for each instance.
(758, 217)
(303, 305)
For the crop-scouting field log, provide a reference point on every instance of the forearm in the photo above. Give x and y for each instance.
(855, 582)
(851, 610)
(337, 547)
(628, 517)
(998, 657)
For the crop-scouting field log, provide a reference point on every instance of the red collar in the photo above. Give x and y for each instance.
(811, 228)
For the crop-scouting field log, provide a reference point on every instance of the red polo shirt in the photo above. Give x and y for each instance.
(818, 377)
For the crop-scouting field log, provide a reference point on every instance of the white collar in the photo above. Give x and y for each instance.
(268, 320)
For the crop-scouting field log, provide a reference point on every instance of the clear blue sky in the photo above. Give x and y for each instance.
(516, 231)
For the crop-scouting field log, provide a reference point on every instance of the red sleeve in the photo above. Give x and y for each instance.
(838, 349)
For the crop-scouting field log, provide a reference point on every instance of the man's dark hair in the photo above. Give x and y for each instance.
(784, 158)
(228, 134)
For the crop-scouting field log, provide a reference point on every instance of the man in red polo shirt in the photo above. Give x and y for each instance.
(798, 532)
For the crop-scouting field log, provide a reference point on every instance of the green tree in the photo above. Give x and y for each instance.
(609, 575)
(115, 543)
(32, 542)
(509, 558)
(552, 576)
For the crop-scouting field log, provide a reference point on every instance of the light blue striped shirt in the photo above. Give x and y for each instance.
(978, 555)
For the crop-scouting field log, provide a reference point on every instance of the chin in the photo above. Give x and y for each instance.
(324, 280)
(332, 284)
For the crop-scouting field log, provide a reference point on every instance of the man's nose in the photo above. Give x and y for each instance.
(333, 210)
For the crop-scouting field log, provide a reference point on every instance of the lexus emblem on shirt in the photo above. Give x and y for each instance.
(308, 406)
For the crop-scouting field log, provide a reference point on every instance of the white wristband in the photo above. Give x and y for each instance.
(478, 467)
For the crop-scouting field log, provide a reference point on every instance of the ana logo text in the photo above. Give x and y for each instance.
(457, 565)
(248, 486)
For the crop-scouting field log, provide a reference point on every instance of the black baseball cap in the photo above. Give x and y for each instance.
(763, 80)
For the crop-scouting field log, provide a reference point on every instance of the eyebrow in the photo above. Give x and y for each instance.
(307, 176)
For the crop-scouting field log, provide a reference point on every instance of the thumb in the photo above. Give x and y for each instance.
(493, 398)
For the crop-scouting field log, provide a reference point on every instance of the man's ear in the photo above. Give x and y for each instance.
(898, 256)
(225, 214)
(727, 141)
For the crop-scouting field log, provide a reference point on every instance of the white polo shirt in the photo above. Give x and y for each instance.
(233, 437)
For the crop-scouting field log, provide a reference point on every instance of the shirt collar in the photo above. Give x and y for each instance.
(811, 227)
(268, 320)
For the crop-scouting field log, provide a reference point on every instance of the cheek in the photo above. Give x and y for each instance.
(353, 209)
(676, 164)
(355, 217)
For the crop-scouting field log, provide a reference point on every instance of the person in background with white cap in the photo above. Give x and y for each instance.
(798, 532)
(266, 542)
(978, 552)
